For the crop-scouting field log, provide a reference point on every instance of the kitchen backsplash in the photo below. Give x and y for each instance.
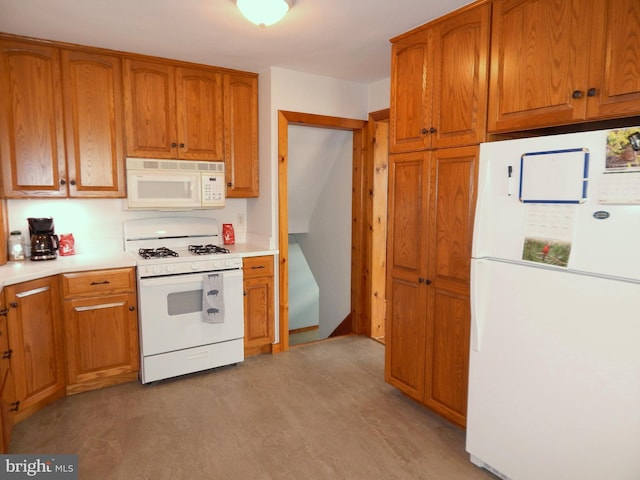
(96, 224)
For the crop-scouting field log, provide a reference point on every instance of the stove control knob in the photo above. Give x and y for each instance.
(156, 269)
(170, 268)
(194, 266)
(216, 264)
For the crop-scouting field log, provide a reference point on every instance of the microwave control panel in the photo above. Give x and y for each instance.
(213, 190)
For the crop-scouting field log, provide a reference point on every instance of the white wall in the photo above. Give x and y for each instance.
(379, 95)
(96, 224)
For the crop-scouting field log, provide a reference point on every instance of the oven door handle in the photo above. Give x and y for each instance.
(186, 278)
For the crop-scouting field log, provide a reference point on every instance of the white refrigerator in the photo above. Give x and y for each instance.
(554, 375)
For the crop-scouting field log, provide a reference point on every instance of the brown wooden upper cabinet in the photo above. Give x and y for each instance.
(92, 93)
(241, 135)
(173, 112)
(557, 62)
(57, 107)
(32, 128)
(439, 82)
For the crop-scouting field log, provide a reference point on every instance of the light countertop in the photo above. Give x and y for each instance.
(17, 272)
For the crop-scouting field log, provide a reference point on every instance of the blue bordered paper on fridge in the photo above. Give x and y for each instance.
(555, 176)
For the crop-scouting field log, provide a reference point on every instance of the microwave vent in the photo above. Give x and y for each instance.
(175, 165)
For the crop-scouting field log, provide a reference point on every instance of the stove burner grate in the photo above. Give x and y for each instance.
(159, 252)
(207, 249)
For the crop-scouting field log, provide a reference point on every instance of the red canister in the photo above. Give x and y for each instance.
(228, 236)
(67, 244)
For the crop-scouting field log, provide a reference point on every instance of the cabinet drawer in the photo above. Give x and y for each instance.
(257, 266)
(88, 283)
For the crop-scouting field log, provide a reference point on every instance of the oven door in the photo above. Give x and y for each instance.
(170, 313)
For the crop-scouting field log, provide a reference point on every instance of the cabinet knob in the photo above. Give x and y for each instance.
(425, 131)
(72, 182)
(132, 308)
(182, 145)
(63, 181)
(13, 304)
(174, 144)
(432, 130)
(577, 94)
(229, 184)
(591, 92)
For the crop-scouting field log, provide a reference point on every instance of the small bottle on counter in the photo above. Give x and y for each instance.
(16, 252)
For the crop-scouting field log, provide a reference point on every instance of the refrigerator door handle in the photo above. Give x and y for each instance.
(477, 318)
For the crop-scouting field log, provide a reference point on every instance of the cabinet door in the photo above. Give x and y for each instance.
(31, 125)
(4, 227)
(258, 311)
(7, 386)
(35, 336)
(259, 301)
(241, 135)
(149, 105)
(411, 78)
(101, 338)
(459, 94)
(409, 186)
(539, 63)
(453, 175)
(92, 86)
(614, 78)
(199, 110)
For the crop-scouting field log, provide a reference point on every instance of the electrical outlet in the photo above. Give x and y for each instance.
(240, 219)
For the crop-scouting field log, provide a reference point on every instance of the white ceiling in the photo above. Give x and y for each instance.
(345, 39)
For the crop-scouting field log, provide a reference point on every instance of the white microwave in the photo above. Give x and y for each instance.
(154, 184)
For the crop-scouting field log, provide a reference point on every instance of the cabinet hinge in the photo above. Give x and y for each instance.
(4, 312)
(7, 354)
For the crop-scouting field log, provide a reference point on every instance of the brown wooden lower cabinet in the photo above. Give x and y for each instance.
(259, 301)
(7, 386)
(101, 328)
(36, 343)
(431, 205)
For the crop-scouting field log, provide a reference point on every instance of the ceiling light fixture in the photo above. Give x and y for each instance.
(264, 12)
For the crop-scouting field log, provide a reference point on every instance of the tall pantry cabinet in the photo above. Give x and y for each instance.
(438, 100)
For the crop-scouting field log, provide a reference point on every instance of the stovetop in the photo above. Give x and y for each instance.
(175, 245)
(197, 250)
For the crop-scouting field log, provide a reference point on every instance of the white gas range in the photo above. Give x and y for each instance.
(190, 296)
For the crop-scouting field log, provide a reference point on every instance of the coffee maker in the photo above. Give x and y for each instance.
(44, 242)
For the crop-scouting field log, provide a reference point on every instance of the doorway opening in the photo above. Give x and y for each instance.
(368, 214)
